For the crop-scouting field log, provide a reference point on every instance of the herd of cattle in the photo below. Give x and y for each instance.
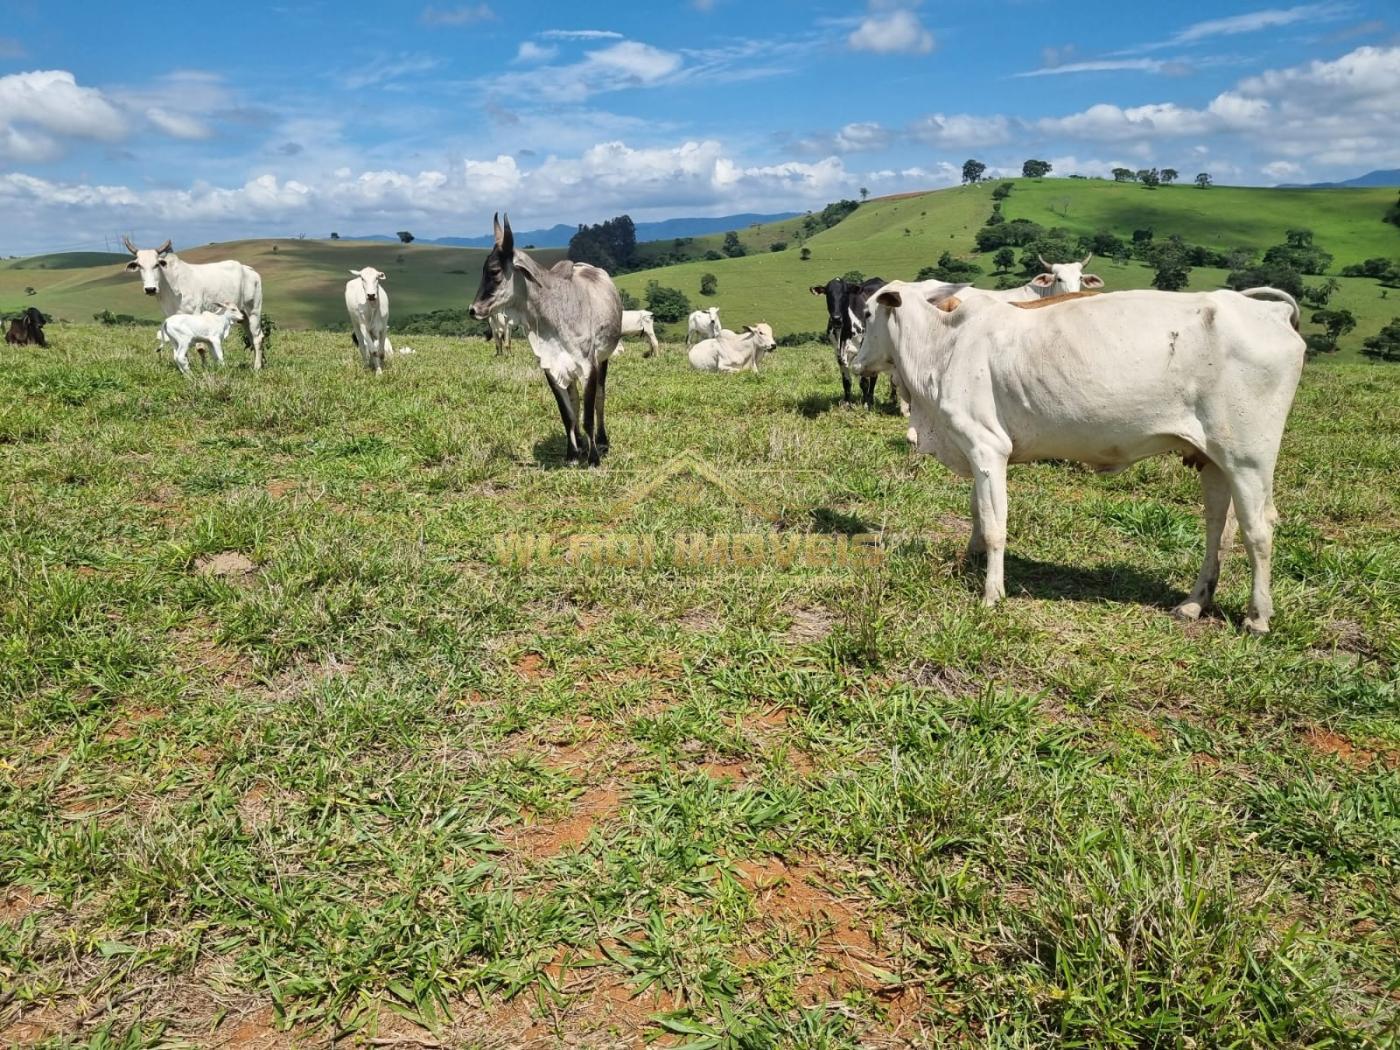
(1052, 370)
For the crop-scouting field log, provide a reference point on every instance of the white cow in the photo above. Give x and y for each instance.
(731, 352)
(1058, 279)
(368, 306)
(1106, 380)
(703, 324)
(500, 326)
(640, 322)
(209, 327)
(189, 288)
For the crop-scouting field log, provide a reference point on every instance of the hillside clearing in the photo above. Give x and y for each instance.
(288, 754)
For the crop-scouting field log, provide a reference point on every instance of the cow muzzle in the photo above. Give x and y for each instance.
(372, 298)
(151, 291)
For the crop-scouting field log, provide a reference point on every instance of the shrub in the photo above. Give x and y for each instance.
(709, 283)
(453, 321)
(1276, 275)
(950, 269)
(1385, 344)
(629, 301)
(669, 305)
(801, 338)
(268, 327)
(854, 276)
(778, 246)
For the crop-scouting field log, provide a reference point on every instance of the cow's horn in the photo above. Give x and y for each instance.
(1086, 259)
(126, 243)
(1048, 268)
(166, 247)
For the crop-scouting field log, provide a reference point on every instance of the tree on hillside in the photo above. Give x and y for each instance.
(864, 193)
(1002, 191)
(668, 305)
(1336, 323)
(778, 246)
(335, 236)
(1169, 175)
(805, 254)
(610, 245)
(406, 237)
(709, 283)
(732, 247)
(1171, 265)
(1275, 275)
(1149, 177)
(1392, 214)
(1204, 181)
(1320, 295)
(853, 276)
(1123, 175)
(1035, 169)
(973, 170)
(1385, 344)
(1004, 259)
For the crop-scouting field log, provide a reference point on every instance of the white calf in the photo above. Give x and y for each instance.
(640, 322)
(731, 352)
(500, 326)
(368, 305)
(703, 324)
(209, 328)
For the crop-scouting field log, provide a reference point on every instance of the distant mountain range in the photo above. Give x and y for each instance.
(558, 236)
(1386, 177)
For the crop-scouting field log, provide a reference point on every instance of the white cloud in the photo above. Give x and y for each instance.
(1282, 169)
(889, 31)
(1139, 65)
(384, 70)
(178, 125)
(962, 129)
(1254, 21)
(533, 52)
(465, 15)
(581, 34)
(617, 67)
(39, 109)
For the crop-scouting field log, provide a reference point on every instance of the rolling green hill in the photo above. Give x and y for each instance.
(302, 280)
(891, 237)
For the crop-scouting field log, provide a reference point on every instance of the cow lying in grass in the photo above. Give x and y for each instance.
(27, 329)
(732, 352)
(1106, 380)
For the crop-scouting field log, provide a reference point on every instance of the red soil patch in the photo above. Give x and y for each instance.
(253, 1032)
(531, 667)
(279, 488)
(35, 1027)
(19, 902)
(1324, 742)
(735, 771)
(542, 841)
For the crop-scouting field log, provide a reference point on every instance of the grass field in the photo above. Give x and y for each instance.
(289, 754)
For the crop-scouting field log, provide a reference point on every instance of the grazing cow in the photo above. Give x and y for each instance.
(845, 303)
(209, 327)
(1106, 380)
(1058, 279)
(188, 288)
(27, 329)
(500, 332)
(640, 322)
(572, 315)
(703, 324)
(368, 305)
(731, 352)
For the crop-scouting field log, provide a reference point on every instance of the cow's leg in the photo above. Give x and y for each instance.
(590, 408)
(567, 400)
(253, 323)
(182, 356)
(379, 343)
(976, 545)
(217, 346)
(867, 391)
(652, 345)
(845, 383)
(363, 344)
(601, 442)
(1220, 529)
(989, 492)
(1254, 505)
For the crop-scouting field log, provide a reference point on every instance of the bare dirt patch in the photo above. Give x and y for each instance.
(19, 901)
(731, 771)
(808, 625)
(280, 487)
(950, 681)
(542, 841)
(699, 621)
(531, 667)
(227, 565)
(252, 1032)
(1325, 742)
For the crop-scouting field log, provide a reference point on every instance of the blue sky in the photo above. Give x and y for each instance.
(279, 119)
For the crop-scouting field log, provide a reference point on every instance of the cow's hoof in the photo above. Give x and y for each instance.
(912, 436)
(1255, 625)
(1188, 612)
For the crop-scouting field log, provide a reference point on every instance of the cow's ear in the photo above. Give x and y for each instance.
(526, 274)
(1043, 280)
(817, 289)
(383, 276)
(353, 273)
(891, 299)
(1092, 280)
(507, 239)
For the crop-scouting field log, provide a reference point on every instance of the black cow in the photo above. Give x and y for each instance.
(843, 300)
(27, 329)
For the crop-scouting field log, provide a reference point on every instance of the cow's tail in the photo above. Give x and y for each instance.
(1277, 295)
